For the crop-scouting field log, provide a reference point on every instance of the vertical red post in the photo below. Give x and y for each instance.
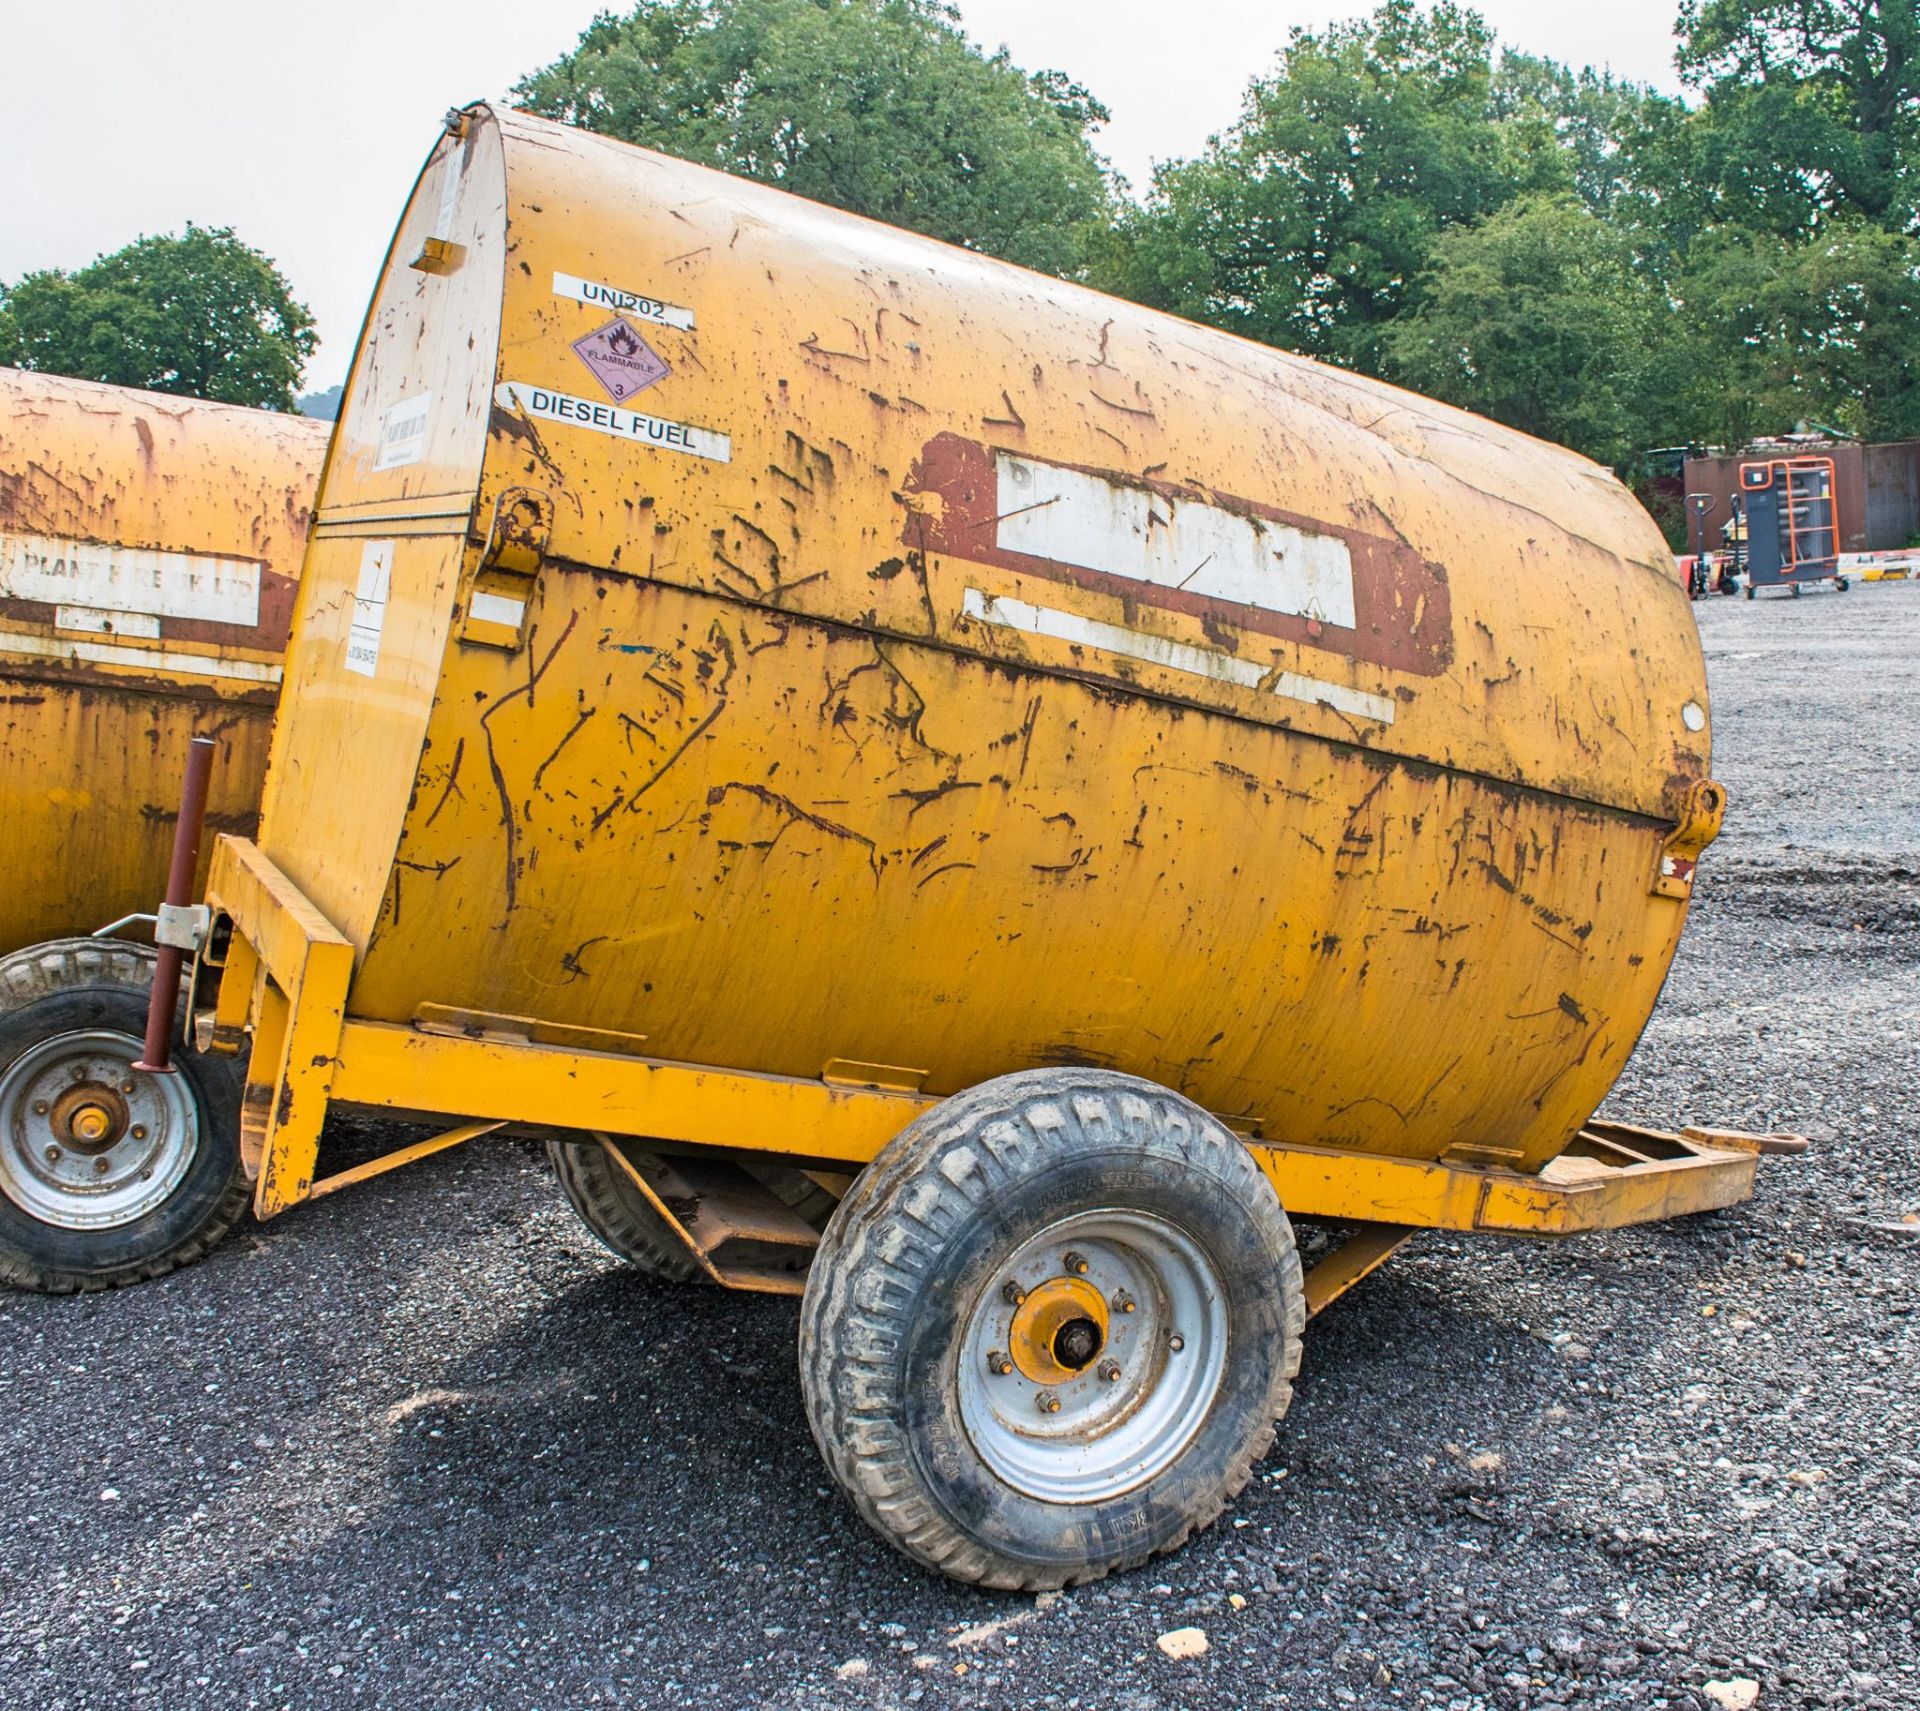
(165, 1000)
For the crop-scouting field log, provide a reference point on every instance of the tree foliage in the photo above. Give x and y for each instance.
(201, 314)
(1306, 224)
(1813, 106)
(879, 106)
(1539, 317)
(1581, 257)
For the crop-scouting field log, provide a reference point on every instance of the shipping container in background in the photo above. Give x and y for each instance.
(791, 712)
(1876, 489)
(149, 550)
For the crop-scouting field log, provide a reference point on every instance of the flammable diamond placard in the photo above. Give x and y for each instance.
(621, 360)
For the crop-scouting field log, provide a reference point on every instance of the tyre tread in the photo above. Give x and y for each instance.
(954, 1158)
(63, 965)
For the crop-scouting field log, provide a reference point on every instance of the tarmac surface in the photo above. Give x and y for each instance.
(426, 1445)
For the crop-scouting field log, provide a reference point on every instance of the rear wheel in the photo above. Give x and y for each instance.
(108, 1174)
(625, 1220)
(1048, 1333)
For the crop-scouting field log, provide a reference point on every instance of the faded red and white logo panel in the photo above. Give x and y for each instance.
(1231, 561)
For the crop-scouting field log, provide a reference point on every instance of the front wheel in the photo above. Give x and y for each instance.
(1048, 1333)
(108, 1175)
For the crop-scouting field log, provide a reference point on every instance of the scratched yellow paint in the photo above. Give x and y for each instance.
(747, 757)
(94, 728)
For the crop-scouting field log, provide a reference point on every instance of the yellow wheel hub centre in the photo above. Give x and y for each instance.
(1058, 1331)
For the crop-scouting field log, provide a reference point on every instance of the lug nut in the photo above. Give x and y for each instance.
(1077, 1265)
(100, 1167)
(1047, 1402)
(1124, 1302)
(41, 1107)
(1012, 1293)
(998, 1364)
(1110, 1370)
(1176, 1342)
(53, 1155)
(126, 1087)
(139, 1131)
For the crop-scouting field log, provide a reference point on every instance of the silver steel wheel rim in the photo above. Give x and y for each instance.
(59, 1172)
(1108, 1434)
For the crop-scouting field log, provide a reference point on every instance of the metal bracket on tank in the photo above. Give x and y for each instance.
(1705, 808)
(503, 584)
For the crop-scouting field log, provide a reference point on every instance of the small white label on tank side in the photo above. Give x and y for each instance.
(611, 419)
(89, 621)
(370, 607)
(1074, 518)
(403, 432)
(635, 303)
(449, 188)
(497, 609)
(102, 577)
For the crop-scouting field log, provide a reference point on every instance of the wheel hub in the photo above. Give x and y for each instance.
(89, 1117)
(1093, 1357)
(1058, 1330)
(86, 1141)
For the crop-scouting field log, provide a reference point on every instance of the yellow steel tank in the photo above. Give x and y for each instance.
(149, 550)
(746, 628)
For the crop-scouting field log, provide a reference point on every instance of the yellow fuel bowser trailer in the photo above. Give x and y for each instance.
(149, 548)
(790, 711)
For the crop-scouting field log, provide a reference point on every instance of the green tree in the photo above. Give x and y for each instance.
(879, 106)
(1539, 317)
(1825, 329)
(1307, 224)
(201, 314)
(1813, 106)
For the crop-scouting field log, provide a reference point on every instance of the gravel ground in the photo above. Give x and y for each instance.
(425, 1445)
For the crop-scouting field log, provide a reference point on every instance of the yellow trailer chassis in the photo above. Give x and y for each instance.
(281, 965)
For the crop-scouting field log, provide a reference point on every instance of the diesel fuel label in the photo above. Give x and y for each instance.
(634, 303)
(547, 405)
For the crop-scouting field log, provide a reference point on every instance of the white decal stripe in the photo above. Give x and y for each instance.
(167, 660)
(635, 303)
(1175, 656)
(613, 420)
(1074, 518)
(110, 578)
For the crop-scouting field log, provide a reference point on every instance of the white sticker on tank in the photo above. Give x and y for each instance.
(370, 607)
(89, 621)
(497, 609)
(403, 432)
(635, 303)
(456, 158)
(611, 419)
(105, 577)
(1174, 656)
(1074, 518)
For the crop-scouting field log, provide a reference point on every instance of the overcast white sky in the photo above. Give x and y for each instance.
(302, 126)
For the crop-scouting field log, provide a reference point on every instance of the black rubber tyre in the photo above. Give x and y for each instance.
(100, 987)
(1749, 590)
(624, 1219)
(917, 1251)
(1842, 584)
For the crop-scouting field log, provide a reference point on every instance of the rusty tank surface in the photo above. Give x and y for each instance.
(936, 792)
(149, 550)
(802, 643)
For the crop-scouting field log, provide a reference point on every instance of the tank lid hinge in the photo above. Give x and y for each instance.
(1700, 817)
(504, 581)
